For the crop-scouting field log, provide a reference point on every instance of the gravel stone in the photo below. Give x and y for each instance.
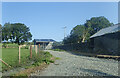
(78, 65)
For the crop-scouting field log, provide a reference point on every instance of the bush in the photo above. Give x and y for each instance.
(4, 45)
(26, 47)
(42, 57)
(36, 64)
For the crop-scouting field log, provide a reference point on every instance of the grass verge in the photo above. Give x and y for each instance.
(37, 66)
(27, 72)
(58, 50)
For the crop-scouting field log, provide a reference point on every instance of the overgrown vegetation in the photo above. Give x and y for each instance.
(42, 57)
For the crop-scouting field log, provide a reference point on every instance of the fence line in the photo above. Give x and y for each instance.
(36, 49)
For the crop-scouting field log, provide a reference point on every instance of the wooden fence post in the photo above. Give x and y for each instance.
(30, 51)
(36, 49)
(39, 48)
(19, 54)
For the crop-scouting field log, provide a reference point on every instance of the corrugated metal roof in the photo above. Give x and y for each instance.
(107, 30)
(44, 40)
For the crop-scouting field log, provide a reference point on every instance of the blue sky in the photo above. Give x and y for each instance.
(47, 19)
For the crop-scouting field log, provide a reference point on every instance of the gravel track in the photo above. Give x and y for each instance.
(78, 65)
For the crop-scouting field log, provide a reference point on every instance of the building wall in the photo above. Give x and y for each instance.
(44, 45)
(107, 44)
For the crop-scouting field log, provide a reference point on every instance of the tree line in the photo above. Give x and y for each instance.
(82, 33)
(15, 33)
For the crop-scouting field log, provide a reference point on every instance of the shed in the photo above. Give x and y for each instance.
(44, 43)
(107, 40)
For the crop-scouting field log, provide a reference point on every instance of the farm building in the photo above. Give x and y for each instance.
(44, 43)
(107, 40)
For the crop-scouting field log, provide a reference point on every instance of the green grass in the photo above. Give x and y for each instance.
(57, 58)
(58, 50)
(10, 56)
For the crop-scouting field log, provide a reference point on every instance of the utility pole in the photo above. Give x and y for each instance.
(64, 31)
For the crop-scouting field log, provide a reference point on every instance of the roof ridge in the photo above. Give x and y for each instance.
(106, 30)
(44, 40)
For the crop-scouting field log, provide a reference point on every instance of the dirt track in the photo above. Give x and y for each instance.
(78, 65)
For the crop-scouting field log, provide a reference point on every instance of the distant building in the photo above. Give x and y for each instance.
(107, 40)
(44, 43)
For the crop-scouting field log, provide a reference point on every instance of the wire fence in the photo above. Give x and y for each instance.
(16, 57)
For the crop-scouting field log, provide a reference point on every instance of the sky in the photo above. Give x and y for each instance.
(47, 19)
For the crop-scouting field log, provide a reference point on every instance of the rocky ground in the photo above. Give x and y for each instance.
(78, 65)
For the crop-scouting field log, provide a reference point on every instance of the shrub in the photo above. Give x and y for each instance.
(26, 47)
(4, 45)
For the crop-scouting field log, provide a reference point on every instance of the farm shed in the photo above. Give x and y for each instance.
(44, 43)
(107, 40)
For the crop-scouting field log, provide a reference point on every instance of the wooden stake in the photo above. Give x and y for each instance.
(30, 51)
(39, 49)
(5, 63)
(19, 54)
(36, 49)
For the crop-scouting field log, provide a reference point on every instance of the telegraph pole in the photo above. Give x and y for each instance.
(64, 31)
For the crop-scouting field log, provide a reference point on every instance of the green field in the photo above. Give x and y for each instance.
(10, 56)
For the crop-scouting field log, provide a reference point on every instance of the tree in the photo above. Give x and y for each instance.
(57, 44)
(81, 33)
(0, 26)
(0, 33)
(97, 23)
(6, 31)
(17, 32)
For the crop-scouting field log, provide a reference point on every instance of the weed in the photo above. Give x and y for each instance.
(57, 58)
(58, 50)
